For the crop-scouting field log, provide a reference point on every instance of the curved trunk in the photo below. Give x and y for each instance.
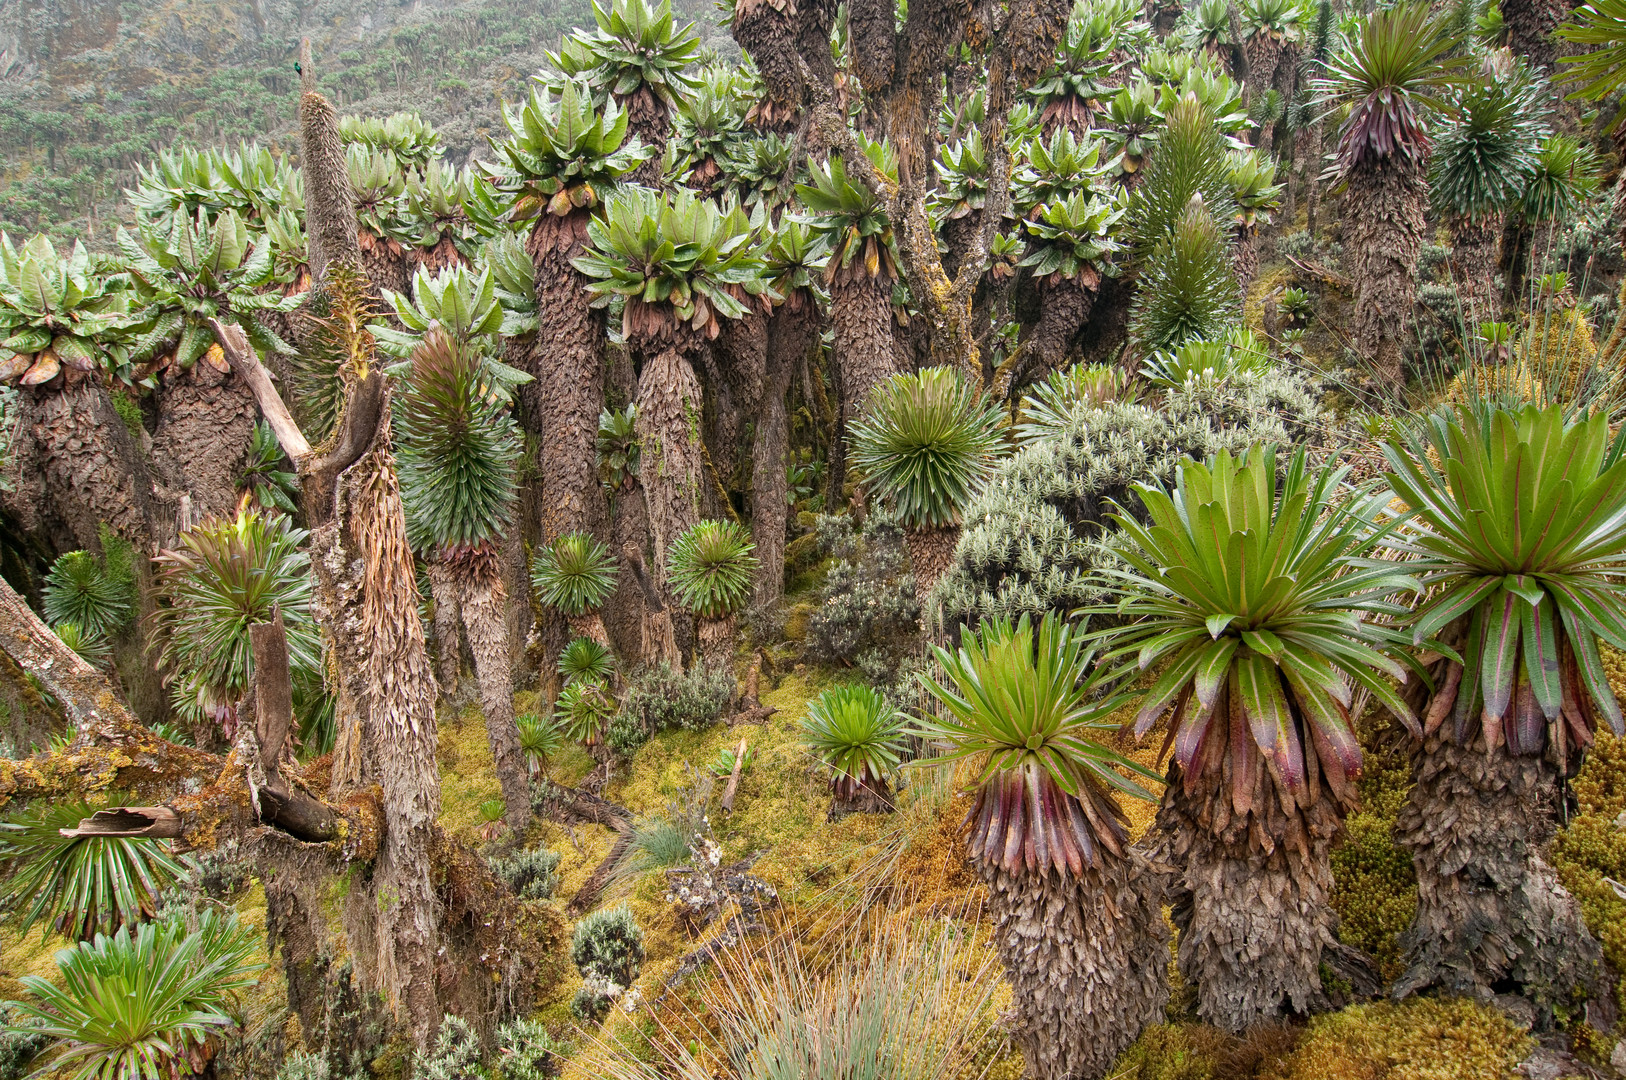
(1087, 959)
(1476, 251)
(861, 316)
(931, 552)
(447, 596)
(1491, 915)
(791, 333)
(567, 361)
(671, 471)
(1065, 306)
(1384, 232)
(487, 631)
(1253, 879)
(205, 421)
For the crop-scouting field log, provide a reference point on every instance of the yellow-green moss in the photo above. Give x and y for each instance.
(1420, 1039)
(1374, 886)
(1592, 848)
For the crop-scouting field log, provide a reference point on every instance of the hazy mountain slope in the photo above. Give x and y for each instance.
(90, 88)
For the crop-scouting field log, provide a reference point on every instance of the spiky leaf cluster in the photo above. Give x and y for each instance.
(188, 271)
(81, 591)
(1209, 26)
(79, 886)
(1565, 175)
(708, 123)
(563, 154)
(1018, 703)
(1253, 187)
(926, 443)
(262, 474)
(676, 259)
(962, 174)
(711, 567)
(1100, 38)
(1215, 91)
(1395, 62)
(456, 447)
(145, 1002)
(461, 301)
(249, 180)
(1255, 601)
(378, 184)
(793, 262)
(1199, 362)
(617, 449)
(585, 658)
(634, 47)
(407, 137)
(574, 574)
(759, 169)
(540, 737)
(513, 277)
(1073, 237)
(1187, 287)
(585, 707)
(1278, 19)
(857, 734)
(437, 207)
(56, 310)
(1598, 69)
(1128, 127)
(1057, 168)
(1520, 536)
(1485, 152)
(224, 575)
(1051, 407)
(850, 218)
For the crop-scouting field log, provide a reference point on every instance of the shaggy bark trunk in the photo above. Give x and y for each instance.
(671, 470)
(567, 361)
(1476, 252)
(444, 591)
(1312, 178)
(385, 262)
(1491, 914)
(767, 34)
(791, 332)
(1384, 233)
(1245, 257)
(1065, 306)
(931, 553)
(714, 641)
(590, 626)
(861, 315)
(1264, 52)
(651, 121)
(624, 613)
(205, 420)
(1253, 877)
(1087, 959)
(488, 640)
(1530, 25)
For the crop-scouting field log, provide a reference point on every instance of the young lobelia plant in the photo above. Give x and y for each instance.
(1080, 932)
(575, 575)
(149, 1001)
(1519, 532)
(712, 568)
(926, 443)
(1249, 599)
(585, 658)
(858, 734)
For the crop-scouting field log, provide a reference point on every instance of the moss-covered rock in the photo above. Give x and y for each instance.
(1420, 1039)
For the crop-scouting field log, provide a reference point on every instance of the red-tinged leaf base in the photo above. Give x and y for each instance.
(855, 795)
(1251, 896)
(1491, 915)
(1086, 957)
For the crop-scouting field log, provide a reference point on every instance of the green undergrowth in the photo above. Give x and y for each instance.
(1590, 852)
(1374, 886)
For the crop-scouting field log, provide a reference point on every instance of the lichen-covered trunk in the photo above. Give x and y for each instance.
(1065, 304)
(737, 366)
(487, 632)
(205, 420)
(790, 336)
(1491, 914)
(566, 359)
(1476, 251)
(861, 316)
(931, 551)
(1252, 892)
(624, 613)
(1087, 960)
(671, 470)
(1383, 231)
(366, 601)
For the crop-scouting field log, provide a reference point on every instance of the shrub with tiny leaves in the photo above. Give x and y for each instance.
(456, 1054)
(662, 697)
(609, 943)
(533, 873)
(527, 1052)
(868, 615)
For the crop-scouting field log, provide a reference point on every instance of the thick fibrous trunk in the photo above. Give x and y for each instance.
(669, 409)
(567, 361)
(790, 335)
(648, 118)
(931, 551)
(1087, 960)
(1264, 51)
(1530, 25)
(444, 591)
(1245, 257)
(331, 204)
(767, 34)
(861, 315)
(1251, 896)
(870, 24)
(205, 420)
(1476, 251)
(488, 640)
(1384, 234)
(1491, 914)
(1065, 306)
(714, 641)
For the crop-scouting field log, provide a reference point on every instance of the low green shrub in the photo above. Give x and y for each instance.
(660, 698)
(527, 1052)
(609, 943)
(533, 873)
(866, 615)
(456, 1053)
(1590, 851)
